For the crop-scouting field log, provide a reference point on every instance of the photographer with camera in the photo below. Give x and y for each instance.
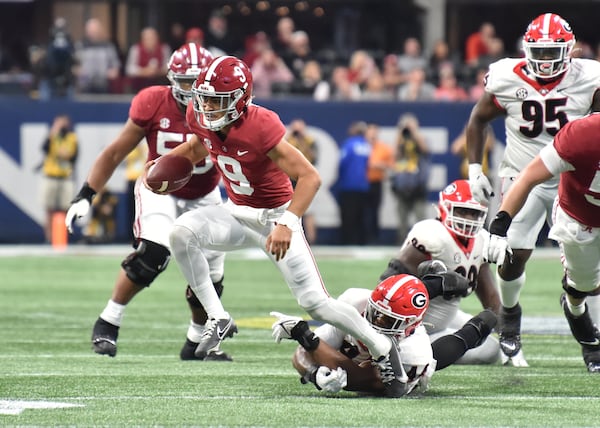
(410, 174)
(60, 150)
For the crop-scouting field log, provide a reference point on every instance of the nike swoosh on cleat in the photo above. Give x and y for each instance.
(221, 333)
(594, 343)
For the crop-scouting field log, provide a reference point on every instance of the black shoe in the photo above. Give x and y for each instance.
(586, 333)
(104, 338)
(188, 353)
(510, 330)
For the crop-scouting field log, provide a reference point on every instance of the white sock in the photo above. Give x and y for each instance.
(113, 313)
(576, 310)
(195, 332)
(510, 291)
(593, 303)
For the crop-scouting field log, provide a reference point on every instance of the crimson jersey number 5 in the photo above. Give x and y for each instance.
(540, 115)
(167, 141)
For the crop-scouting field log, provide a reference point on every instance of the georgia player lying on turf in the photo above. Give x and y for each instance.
(537, 95)
(263, 210)
(457, 239)
(333, 360)
(157, 113)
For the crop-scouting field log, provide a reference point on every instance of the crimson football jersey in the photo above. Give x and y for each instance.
(251, 178)
(579, 189)
(155, 110)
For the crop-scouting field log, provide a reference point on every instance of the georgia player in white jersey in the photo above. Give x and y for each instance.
(247, 144)
(457, 239)
(537, 95)
(575, 157)
(157, 113)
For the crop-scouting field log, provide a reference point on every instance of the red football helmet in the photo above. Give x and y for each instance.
(397, 305)
(547, 44)
(222, 92)
(185, 65)
(459, 211)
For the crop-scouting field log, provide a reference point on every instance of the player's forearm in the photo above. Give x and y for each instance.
(475, 140)
(307, 186)
(103, 168)
(193, 150)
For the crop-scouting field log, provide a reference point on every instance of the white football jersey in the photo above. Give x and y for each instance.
(535, 112)
(415, 350)
(433, 238)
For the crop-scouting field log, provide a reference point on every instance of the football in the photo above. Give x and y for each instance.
(169, 173)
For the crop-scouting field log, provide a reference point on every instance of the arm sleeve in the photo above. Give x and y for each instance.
(553, 161)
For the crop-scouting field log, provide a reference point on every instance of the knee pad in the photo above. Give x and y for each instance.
(147, 261)
(572, 291)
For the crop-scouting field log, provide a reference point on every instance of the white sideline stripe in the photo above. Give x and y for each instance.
(16, 407)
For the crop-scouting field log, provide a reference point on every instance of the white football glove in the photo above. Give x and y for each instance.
(481, 188)
(282, 328)
(76, 210)
(496, 249)
(331, 380)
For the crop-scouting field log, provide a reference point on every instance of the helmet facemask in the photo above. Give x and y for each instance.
(181, 85)
(549, 59)
(385, 321)
(463, 218)
(215, 110)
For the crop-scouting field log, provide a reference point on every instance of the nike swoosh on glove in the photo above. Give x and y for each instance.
(76, 210)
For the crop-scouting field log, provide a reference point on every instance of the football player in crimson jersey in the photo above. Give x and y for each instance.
(574, 157)
(157, 113)
(247, 144)
(537, 95)
(332, 359)
(457, 239)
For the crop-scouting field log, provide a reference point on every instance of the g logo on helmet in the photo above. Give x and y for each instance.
(419, 300)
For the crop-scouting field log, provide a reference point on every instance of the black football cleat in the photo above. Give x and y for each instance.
(104, 338)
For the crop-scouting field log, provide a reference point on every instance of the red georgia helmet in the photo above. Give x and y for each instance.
(397, 305)
(459, 211)
(222, 92)
(547, 44)
(185, 65)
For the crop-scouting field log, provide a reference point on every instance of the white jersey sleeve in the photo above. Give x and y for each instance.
(536, 111)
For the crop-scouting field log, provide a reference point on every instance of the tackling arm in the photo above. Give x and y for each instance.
(486, 289)
(482, 114)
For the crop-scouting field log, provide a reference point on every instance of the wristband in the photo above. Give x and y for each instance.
(500, 224)
(288, 219)
(86, 192)
(474, 170)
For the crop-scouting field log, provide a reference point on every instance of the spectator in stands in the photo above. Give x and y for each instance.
(283, 35)
(494, 53)
(449, 89)
(254, 46)
(98, 61)
(477, 43)
(411, 56)
(102, 227)
(362, 66)
(352, 186)
(176, 36)
(392, 76)
(381, 162)
(442, 58)
(270, 74)
(416, 87)
(459, 148)
(194, 35)
(375, 89)
(60, 154)
(477, 89)
(147, 61)
(299, 137)
(342, 89)
(219, 38)
(312, 82)
(299, 53)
